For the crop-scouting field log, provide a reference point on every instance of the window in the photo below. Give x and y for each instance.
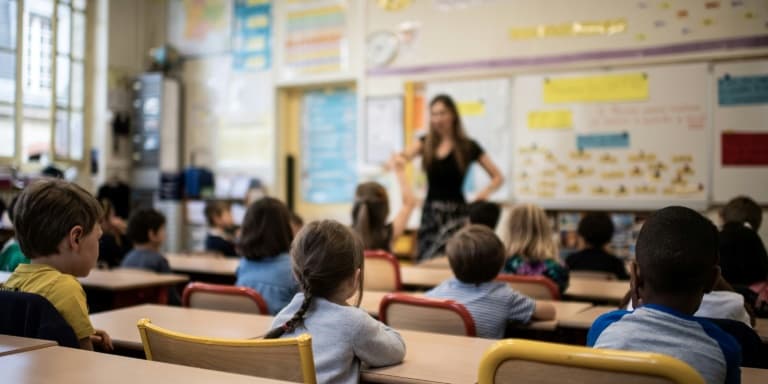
(43, 120)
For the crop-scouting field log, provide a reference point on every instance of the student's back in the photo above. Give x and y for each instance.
(146, 259)
(328, 261)
(476, 256)
(595, 231)
(146, 229)
(264, 244)
(676, 263)
(743, 258)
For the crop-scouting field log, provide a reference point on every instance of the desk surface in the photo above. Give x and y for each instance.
(598, 290)
(208, 264)
(424, 276)
(66, 365)
(584, 319)
(121, 323)
(122, 279)
(13, 344)
(754, 376)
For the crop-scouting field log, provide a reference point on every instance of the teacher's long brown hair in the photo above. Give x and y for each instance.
(461, 141)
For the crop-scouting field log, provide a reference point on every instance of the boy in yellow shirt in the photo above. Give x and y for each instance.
(57, 227)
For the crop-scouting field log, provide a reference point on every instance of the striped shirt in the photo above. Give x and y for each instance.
(491, 304)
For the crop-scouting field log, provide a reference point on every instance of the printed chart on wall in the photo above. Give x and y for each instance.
(315, 37)
(741, 131)
(629, 139)
(483, 106)
(328, 155)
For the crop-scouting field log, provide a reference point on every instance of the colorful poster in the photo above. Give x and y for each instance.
(742, 90)
(252, 45)
(743, 148)
(329, 142)
(599, 88)
(559, 119)
(315, 37)
(202, 27)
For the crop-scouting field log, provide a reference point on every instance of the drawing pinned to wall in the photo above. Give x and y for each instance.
(744, 149)
(252, 41)
(742, 90)
(203, 26)
(682, 14)
(554, 119)
(708, 21)
(737, 3)
(608, 27)
(393, 5)
(712, 5)
(316, 37)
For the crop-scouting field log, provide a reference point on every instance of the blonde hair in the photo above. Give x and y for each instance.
(529, 233)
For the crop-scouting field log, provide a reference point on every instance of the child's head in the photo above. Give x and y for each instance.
(596, 229)
(743, 210)
(147, 227)
(327, 260)
(56, 218)
(676, 258)
(369, 215)
(530, 233)
(266, 230)
(218, 214)
(485, 213)
(476, 254)
(11, 207)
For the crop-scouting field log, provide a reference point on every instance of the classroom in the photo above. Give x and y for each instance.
(384, 191)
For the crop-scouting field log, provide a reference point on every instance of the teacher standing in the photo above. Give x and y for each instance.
(446, 154)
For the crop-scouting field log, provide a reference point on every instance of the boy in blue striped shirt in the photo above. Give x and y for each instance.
(476, 256)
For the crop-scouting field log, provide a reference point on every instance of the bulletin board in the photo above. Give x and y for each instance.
(620, 139)
(484, 108)
(740, 116)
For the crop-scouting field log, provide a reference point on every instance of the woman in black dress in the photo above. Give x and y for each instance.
(446, 153)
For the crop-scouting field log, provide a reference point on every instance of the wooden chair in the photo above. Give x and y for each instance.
(223, 298)
(544, 363)
(382, 272)
(403, 311)
(537, 287)
(593, 275)
(287, 359)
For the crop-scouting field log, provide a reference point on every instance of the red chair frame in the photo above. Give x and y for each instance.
(224, 290)
(537, 279)
(461, 310)
(384, 255)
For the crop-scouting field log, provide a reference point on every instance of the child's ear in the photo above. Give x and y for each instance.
(712, 280)
(636, 284)
(74, 237)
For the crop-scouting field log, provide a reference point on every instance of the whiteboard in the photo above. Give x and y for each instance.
(622, 147)
(384, 134)
(485, 105)
(749, 116)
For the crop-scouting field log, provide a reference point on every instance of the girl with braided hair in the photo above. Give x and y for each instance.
(327, 261)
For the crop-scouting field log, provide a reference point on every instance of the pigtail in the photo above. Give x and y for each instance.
(294, 321)
(362, 222)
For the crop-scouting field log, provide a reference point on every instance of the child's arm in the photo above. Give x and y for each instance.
(544, 311)
(409, 201)
(100, 338)
(376, 344)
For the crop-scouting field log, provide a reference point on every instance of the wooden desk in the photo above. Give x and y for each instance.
(208, 268)
(754, 376)
(437, 262)
(584, 319)
(604, 291)
(121, 323)
(66, 365)
(13, 344)
(122, 287)
(432, 358)
(421, 277)
(761, 327)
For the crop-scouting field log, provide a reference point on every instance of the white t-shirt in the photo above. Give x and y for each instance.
(721, 305)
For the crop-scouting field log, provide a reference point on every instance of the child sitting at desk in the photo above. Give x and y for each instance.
(220, 224)
(327, 259)
(676, 264)
(476, 255)
(595, 231)
(57, 227)
(146, 229)
(10, 254)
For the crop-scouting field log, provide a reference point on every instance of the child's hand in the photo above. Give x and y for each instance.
(102, 339)
(398, 162)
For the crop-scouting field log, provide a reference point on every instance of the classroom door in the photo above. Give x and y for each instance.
(314, 130)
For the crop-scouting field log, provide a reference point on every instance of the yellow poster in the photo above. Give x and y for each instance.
(620, 87)
(471, 108)
(577, 28)
(557, 119)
